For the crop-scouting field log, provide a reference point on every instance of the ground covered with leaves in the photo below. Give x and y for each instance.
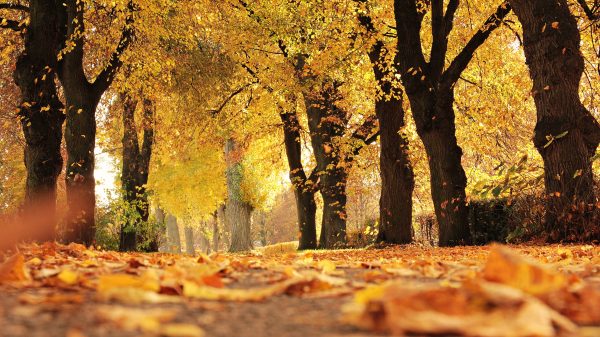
(57, 290)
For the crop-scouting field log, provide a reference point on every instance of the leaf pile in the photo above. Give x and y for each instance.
(468, 291)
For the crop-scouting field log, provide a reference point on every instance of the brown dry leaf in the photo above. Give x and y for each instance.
(509, 268)
(14, 269)
(478, 309)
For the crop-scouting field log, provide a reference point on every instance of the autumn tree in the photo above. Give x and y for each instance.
(41, 112)
(429, 85)
(135, 169)
(566, 134)
(82, 97)
(397, 177)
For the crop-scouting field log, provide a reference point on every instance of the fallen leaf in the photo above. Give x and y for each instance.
(509, 268)
(477, 309)
(14, 269)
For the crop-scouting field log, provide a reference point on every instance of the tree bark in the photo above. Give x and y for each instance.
(82, 98)
(429, 86)
(41, 114)
(189, 240)
(237, 211)
(397, 177)
(134, 176)
(304, 189)
(566, 134)
(173, 237)
(327, 122)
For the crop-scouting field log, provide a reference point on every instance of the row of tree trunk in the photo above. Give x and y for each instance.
(51, 25)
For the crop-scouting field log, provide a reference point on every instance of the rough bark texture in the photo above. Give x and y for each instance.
(237, 211)
(41, 112)
(189, 240)
(134, 176)
(429, 86)
(173, 237)
(327, 123)
(304, 189)
(82, 98)
(566, 134)
(397, 177)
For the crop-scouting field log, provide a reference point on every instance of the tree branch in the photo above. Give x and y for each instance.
(17, 26)
(238, 91)
(460, 63)
(439, 45)
(589, 12)
(449, 16)
(17, 7)
(108, 74)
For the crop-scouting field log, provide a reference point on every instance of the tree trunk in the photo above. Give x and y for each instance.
(41, 114)
(397, 177)
(237, 211)
(303, 187)
(215, 232)
(566, 134)
(448, 178)
(80, 137)
(429, 86)
(173, 238)
(82, 98)
(189, 240)
(134, 176)
(327, 122)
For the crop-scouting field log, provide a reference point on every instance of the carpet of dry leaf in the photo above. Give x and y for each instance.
(69, 290)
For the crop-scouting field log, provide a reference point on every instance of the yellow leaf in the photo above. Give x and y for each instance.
(68, 276)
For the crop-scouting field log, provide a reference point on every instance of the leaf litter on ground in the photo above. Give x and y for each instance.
(465, 291)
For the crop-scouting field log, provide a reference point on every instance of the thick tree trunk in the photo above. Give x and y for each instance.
(173, 237)
(237, 211)
(41, 114)
(189, 240)
(239, 215)
(397, 177)
(327, 122)
(80, 137)
(136, 164)
(448, 178)
(566, 134)
(303, 187)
